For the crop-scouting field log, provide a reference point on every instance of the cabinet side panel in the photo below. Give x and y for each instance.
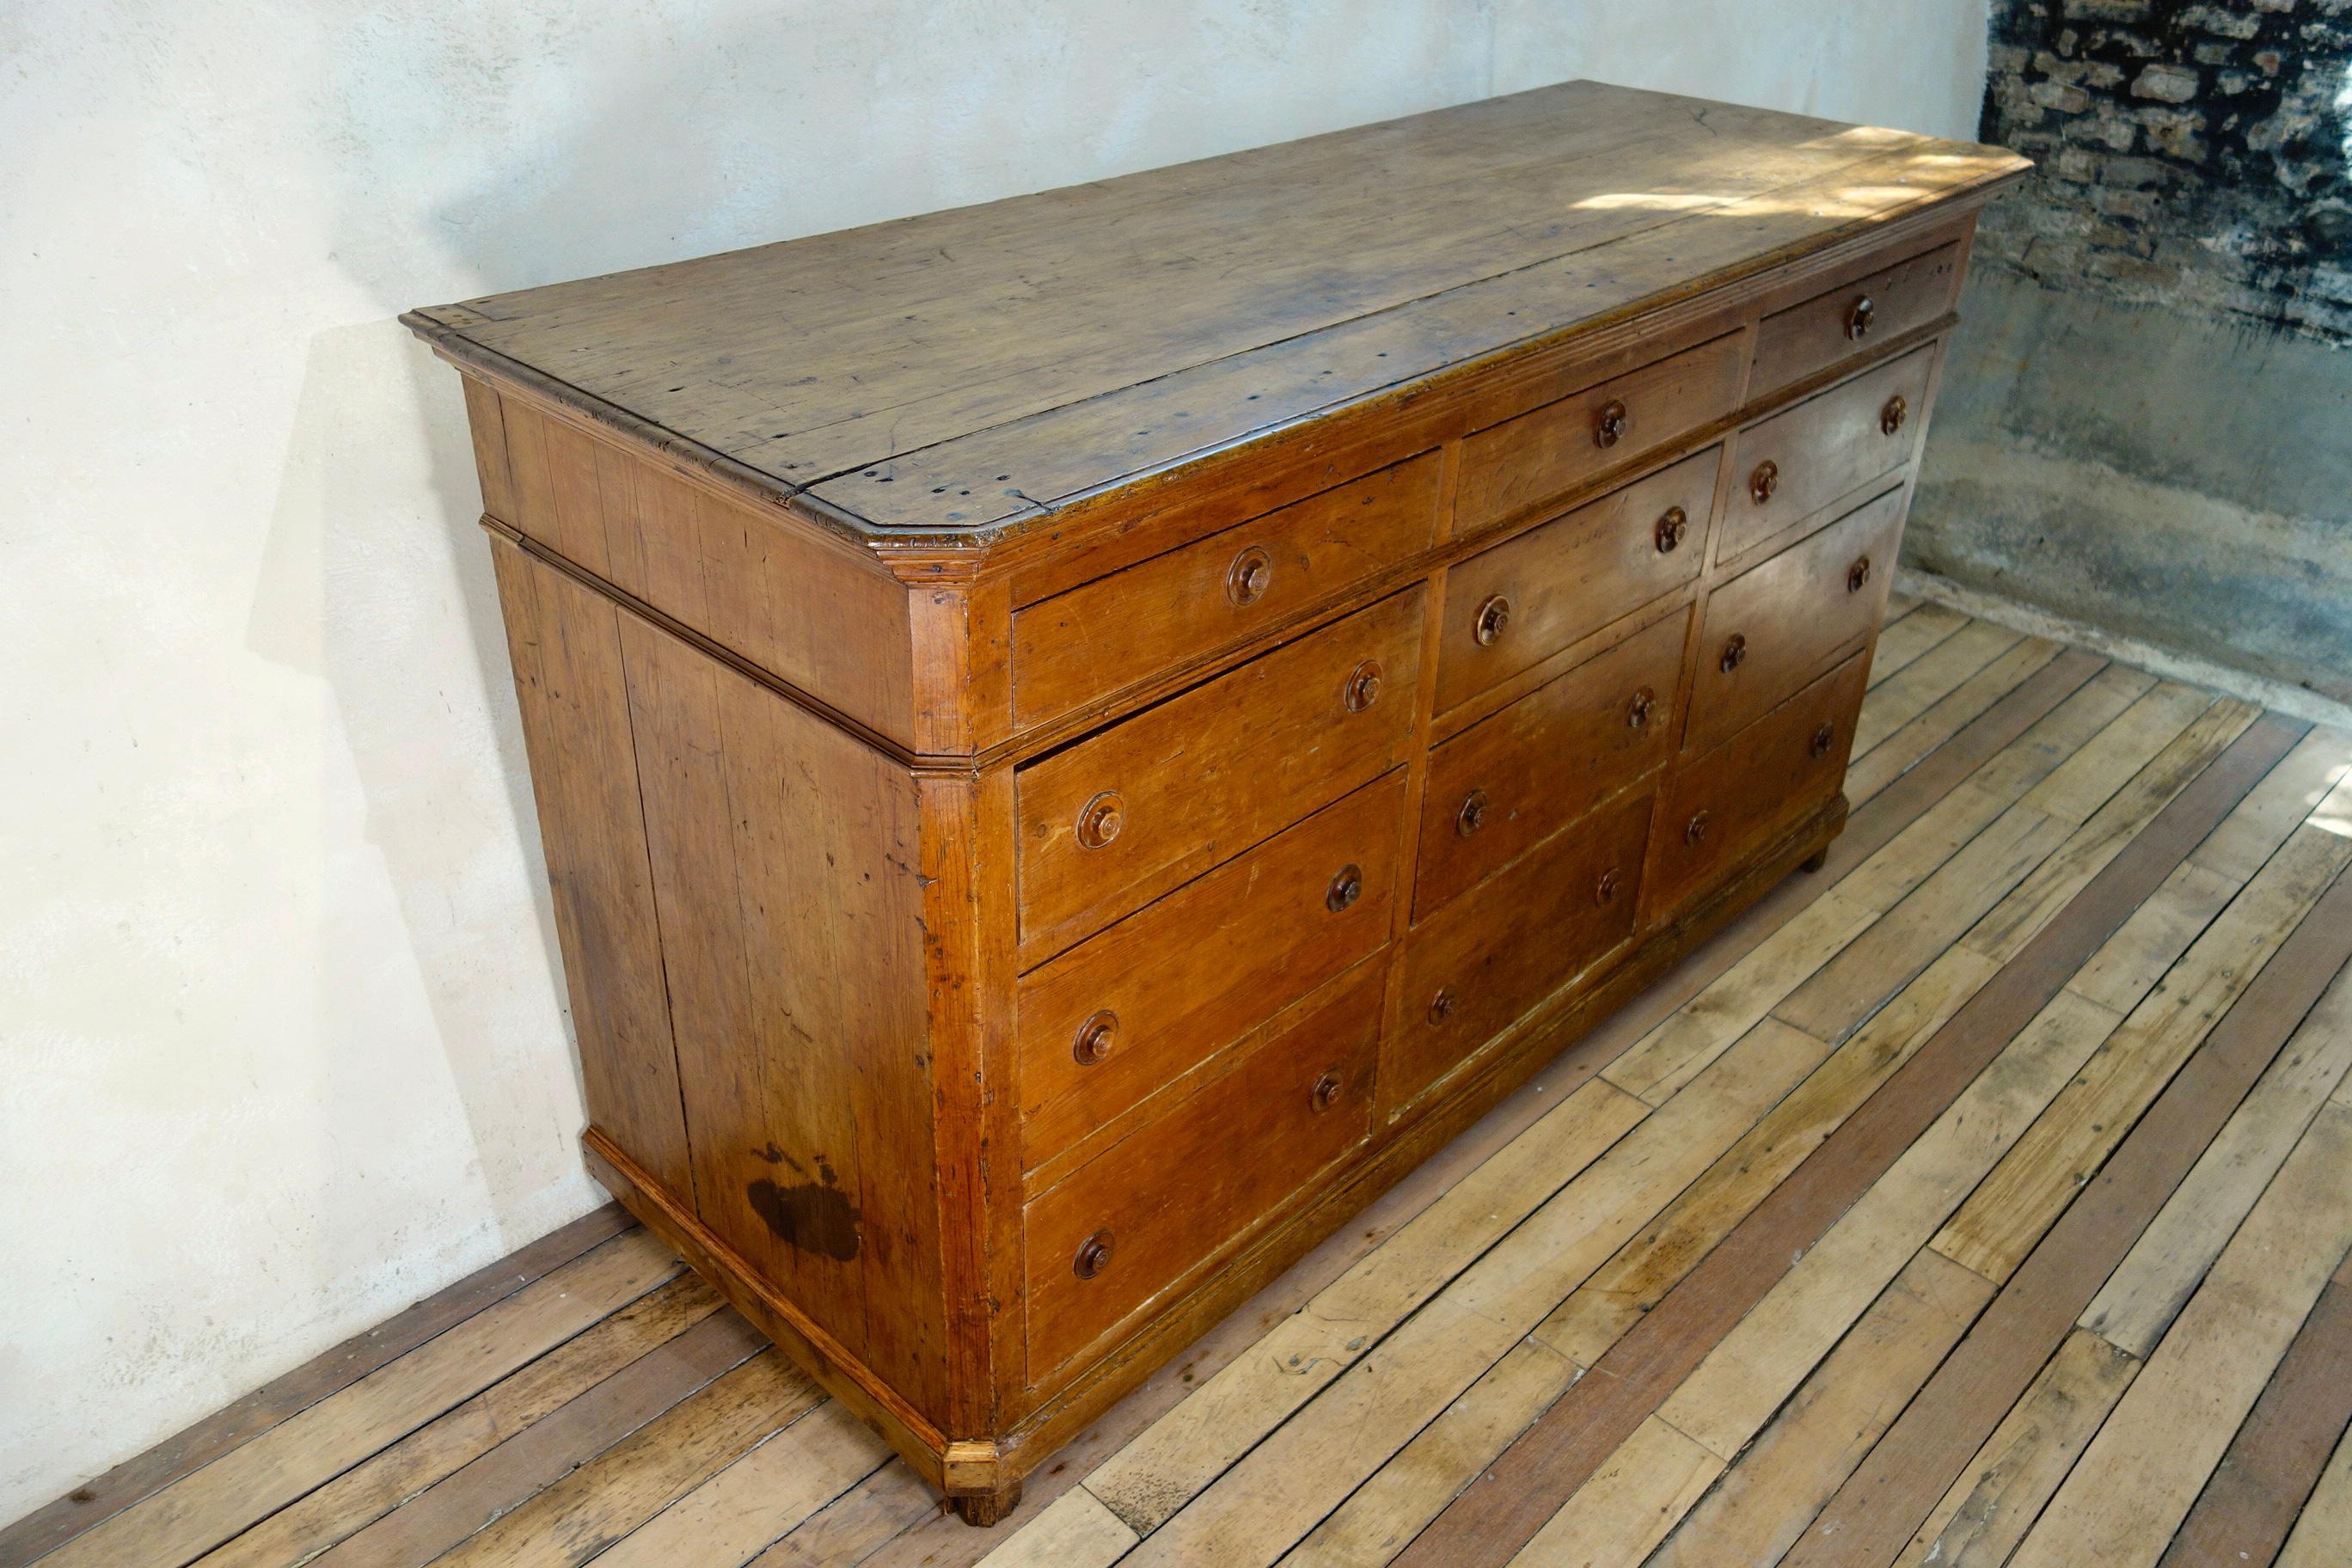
(805, 610)
(786, 858)
(487, 424)
(565, 644)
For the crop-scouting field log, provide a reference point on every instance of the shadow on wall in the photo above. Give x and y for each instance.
(373, 574)
(464, 161)
(573, 157)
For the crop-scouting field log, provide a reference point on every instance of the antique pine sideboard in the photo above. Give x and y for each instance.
(1079, 739)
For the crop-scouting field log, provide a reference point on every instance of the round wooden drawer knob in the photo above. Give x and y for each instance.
(1823, 738)
(1735, 653)
(1604, 890)
(1671, 529)
(1695, 830)
(1100, 819)
(1441, 1007)
(1325, 1092)
(1363, 686)
(1890, 418)
(1345, 890)
(1858, 574)
(1764, 482)
(1472, 815)
(1857, 318)
(1093, 1256)
(1096, 1037)
(1493, 616)
(1609, 426)
(1639, 708)
(1248, 577)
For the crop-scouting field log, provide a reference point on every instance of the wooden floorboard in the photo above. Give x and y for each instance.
(1926, 1451)
(1512, 1497)
(1984, 1198)
(440, 1516)
(99, 1500)
(2250, 1503)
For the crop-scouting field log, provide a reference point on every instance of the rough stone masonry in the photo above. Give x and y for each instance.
(2191, 154)
(2143, 427)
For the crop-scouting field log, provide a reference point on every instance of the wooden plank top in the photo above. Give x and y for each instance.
(963, 374)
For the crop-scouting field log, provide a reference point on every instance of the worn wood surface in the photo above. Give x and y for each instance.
(103, 1496)
(1625, 1263)
(786, 858)
(1508, 1503)
(828, 363)
(567, 652)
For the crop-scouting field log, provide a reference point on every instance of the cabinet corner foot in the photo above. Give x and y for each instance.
(987, 1509)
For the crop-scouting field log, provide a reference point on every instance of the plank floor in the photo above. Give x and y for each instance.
(1984, 1198)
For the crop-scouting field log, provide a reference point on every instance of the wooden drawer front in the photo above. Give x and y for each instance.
(1138, 1006)
(1516, 605)
(1116, 820)
(1134, 1219)
(1768, 630)
(1539, 456)
(1799, 461)
(1118, 629)
(1512, 780)
(1492, 954)
(1729, 801)
(1853, 316)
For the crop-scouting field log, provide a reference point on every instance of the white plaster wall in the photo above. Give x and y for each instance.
(284, 1044)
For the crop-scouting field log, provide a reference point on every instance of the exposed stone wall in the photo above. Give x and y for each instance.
(2145, 416)
(2191, 153)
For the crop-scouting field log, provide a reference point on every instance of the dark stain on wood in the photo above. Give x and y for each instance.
(811, 1216)
(808, 1215)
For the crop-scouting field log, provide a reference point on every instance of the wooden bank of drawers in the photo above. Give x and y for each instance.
(1192, 871)
(1077, 738)
(1213, 896)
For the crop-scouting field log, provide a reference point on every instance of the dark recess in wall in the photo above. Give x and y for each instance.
(2190, 154)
